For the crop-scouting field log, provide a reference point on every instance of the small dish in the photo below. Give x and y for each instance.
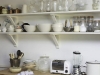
(15, 69)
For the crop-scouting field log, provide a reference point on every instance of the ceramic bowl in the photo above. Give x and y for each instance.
(15, 69)
(30, 28)
(57, 29)
(18, 30)
(57, 25)
(46, 27)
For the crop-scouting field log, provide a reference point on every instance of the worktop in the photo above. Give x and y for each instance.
(7, 72)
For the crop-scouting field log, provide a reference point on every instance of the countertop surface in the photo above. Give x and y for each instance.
(7, 72)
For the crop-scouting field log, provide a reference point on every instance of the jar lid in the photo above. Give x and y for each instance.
(93, 62)
(44, 56)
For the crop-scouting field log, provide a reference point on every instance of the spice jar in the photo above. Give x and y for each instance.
(44, 64)
(4, 10)
(96, 26)
(90, 27)
(76, 26)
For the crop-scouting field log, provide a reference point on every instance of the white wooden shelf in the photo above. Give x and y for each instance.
(48, 13)
(54, 33)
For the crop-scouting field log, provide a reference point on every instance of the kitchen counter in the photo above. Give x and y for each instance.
(7, 72)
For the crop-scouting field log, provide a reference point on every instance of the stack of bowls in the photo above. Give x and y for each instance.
(57, 27)
(30, 28)
(29, 64)
(46, 27)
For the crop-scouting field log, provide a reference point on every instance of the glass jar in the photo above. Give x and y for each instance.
(96, 26)
(90, 26)
(54, 5)
(47, 6)
(44, 64)
(76, 26)
(73, 6)
(95, 5)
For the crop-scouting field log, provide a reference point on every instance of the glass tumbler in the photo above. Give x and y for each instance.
(54, 5)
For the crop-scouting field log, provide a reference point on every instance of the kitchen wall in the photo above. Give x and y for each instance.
(34, 46)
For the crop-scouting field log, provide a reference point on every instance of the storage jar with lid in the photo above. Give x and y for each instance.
(44, 64)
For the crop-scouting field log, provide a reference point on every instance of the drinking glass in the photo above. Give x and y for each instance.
(65, 5)
(60, 8)
(54, 5)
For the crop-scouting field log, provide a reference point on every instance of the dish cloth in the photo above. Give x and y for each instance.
(26, 73)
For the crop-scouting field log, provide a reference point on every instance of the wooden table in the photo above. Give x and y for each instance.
(7, 72)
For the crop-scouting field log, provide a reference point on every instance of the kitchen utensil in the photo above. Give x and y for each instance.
(18, 53)
(22, 54)
(93, 68)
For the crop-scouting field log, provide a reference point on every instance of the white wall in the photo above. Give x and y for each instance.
(36, 45)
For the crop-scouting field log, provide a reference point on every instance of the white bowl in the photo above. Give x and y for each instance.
(44, 27)
(18, 30)
(57, 25)
(15, 69)
(57, 29)
(30, 28)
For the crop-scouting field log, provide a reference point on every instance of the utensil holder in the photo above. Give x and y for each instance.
(15, 62)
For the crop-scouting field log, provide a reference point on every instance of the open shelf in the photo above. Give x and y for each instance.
(47, 13)
(54, 33)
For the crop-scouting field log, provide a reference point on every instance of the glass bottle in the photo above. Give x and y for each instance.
(95, 5)
(90, 27)
(76, 26)
(60, 8)
(96, 26)
(44, 64)
(54, 5)
(47, 5)
(41, 5)
(65, 5)
(73, 6)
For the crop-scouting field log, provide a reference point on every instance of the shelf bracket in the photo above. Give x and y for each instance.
(54, 17)
(13, 19)
(55, 39)
(14, 39)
